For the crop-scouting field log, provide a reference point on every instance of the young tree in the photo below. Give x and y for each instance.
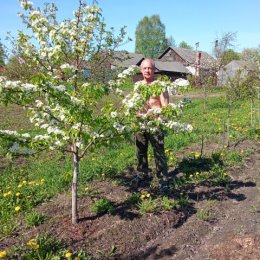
(71, 113)
(150, 39)
(251, 55)
(222, 44)
(59, 101)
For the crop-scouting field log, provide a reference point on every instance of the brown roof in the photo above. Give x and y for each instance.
(241, 64)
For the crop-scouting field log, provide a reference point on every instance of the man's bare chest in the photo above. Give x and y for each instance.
(154, 102)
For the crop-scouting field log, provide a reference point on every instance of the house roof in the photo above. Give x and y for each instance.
(126, 59)
(171, 66)
(240, 64)
(190, 55)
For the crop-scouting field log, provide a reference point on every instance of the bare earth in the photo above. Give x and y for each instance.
(232, 231)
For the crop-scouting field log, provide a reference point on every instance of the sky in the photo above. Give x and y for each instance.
(191, 21)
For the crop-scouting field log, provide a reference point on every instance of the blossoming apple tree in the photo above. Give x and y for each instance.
(73, 113)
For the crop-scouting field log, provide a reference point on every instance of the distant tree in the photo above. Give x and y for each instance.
(251, 55)
(229, 55)
(185, 45)
(20, 68)
(2, 54)
(150, 39)
(171, 42)
(223, 43)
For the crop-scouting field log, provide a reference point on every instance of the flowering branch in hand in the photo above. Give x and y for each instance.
(154, 118)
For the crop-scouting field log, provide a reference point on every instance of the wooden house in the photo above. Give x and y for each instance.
(189, 58)
(231, 70)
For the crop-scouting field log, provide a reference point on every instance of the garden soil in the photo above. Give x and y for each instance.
(230, 230)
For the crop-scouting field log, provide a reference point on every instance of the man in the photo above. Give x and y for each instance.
(156, 139)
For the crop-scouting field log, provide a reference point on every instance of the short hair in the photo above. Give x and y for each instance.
(148, 59)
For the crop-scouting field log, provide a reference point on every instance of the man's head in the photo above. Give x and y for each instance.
(147, 69)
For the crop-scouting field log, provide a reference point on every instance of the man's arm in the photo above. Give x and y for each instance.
(164, 99)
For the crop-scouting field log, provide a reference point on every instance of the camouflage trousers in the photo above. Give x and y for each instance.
(142, 140)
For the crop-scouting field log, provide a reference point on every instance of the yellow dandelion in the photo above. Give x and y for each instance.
(17, 194)
(20, 186)
(42, 180)
(3, 254)
(5, 194)
(142, 196)
(9, 192)
(17, 208)
(197, 155)
(197, 173)
(31, 182)
(148, 195)
(32, 243)
(87, 188)
(24, 182)
(191, 175)
(68, 255)
(103, 174)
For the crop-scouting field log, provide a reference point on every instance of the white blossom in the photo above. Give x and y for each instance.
(9, 132)
(60, 88)
(182, 82)
(67, 66)
(26, 135)
(128, 72)
(113, 114)
(25, 4)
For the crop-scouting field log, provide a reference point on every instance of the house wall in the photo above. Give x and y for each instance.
(171, 55)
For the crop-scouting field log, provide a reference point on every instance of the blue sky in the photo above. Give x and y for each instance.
(191, 20)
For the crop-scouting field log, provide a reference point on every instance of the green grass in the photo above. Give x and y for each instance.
(34, 219)
(45, 247)
(13, 117)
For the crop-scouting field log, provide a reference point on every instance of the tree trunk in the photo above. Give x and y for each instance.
(228, 124)
(75, 189)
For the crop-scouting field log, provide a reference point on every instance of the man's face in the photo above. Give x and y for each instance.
(147, 70)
